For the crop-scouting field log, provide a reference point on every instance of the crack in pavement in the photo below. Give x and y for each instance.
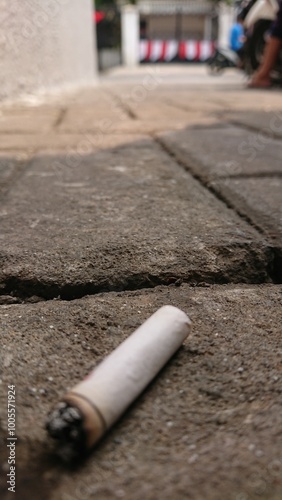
(15, 290)
(60, 118)
(204, 181)
(276, 270)
(113, 266)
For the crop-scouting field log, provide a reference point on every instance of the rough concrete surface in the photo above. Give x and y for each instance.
(73, 143)
(28, 120)
(229, 151)
(260, 199)
(94, 199)
(208, 427)
(120, 219)
(268, 122)
(10, 166)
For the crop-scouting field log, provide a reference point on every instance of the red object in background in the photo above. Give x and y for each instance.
(169, 50)
(98, 16)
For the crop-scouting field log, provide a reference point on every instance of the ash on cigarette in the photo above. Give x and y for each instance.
(65, 425)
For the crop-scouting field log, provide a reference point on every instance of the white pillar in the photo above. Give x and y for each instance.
(130, 35)
(225, 21)
(45, 45)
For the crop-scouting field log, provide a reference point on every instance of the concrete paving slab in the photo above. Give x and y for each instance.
(188, 76)
(153, 108)
(157, 124)
(120, 219)
(7, 168)
(196, 101)
(18, 142)
(139, 119)
(228, 151)
(89, 118)
(266, 122)
(65, 142)
(259, 199)
(184, 91)
(25, 120)
(208, 427)
(243, 99)
(10, 165)
(156, 106)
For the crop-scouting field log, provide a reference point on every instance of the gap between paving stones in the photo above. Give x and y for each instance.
(120, 103)
(203, 179)
(256, 175)
(15, 289)
(259, 260)
(252, 128)
(276, 273)
(265, 123)
(61, 116)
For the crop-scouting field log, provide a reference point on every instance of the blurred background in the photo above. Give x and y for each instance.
(168, 31)
(64, 43)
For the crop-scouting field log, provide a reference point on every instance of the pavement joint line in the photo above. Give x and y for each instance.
(275, 273)
(21, 132)
(176, 105)
(255, 175)
(60, 118)
(125, 108)
(244, 210)
(253, 128)
(204, 126)
(268, 229)
(20, 170)
(204, 181)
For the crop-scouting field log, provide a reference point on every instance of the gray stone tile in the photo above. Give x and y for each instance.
(215, 407)
(259, 199)
(120, 219)
(228, 151)
(267, 122)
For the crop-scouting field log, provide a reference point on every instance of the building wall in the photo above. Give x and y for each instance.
(45, 44)
(169, 27)
(169, 7)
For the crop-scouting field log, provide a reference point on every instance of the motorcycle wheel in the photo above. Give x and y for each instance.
(216, 65)
(214, 68)
(257, 43)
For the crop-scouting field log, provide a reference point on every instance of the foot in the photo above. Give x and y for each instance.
(258, 82)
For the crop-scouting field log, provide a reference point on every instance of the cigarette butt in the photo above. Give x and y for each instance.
(95, 404)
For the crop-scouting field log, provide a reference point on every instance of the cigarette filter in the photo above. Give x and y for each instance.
(92, 406)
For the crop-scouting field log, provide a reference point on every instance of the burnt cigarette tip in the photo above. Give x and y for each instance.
(65, 424)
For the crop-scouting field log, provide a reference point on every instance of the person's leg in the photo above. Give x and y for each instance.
(262, 77)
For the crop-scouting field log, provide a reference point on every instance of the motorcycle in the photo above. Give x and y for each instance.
(258, 16)
(221, 60)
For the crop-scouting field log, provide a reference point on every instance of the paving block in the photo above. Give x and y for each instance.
(28, 119)
(209, 426)
(10, 165)
(67, 142)
(259, 199)
(120, 219)
(224, 151)
(266, 122)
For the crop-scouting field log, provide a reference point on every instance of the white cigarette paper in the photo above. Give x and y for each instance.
(111, 387)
